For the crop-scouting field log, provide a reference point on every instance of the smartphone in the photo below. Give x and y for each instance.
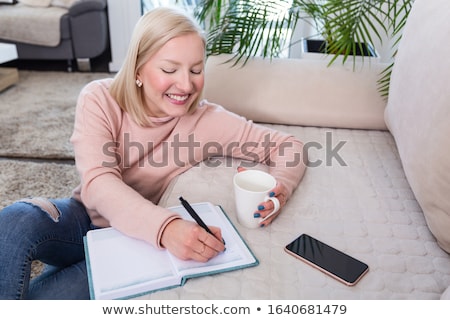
(329, 260)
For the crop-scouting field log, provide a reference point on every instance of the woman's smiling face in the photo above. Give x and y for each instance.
(174, 76)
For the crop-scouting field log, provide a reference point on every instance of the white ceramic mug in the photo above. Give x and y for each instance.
(251, 187)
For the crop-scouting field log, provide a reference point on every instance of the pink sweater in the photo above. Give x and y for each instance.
(125, 168)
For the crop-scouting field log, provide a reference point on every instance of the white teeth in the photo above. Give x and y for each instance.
(178, 98)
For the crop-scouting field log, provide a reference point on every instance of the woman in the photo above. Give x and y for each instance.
(132, 135)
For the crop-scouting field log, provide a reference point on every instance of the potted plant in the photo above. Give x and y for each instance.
(325, 40)
(249, 28)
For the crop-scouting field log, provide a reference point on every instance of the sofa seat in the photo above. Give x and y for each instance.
(34, 25)
(362, 206)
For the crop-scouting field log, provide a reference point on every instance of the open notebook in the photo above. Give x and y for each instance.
(120, 267)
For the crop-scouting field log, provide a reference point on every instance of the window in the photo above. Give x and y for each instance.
(150, 4)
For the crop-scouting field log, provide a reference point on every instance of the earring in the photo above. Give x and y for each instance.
(138, 83)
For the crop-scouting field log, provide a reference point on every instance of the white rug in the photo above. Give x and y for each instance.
(37, 114)
(20, 179)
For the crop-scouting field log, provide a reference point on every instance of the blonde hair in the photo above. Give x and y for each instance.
(153, 30)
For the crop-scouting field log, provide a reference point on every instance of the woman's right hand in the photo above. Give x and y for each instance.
(187, 240)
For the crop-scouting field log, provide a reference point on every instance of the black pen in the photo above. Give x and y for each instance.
(196, 217)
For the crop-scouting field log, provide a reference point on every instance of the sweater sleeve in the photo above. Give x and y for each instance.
(241, 138)
(107, 198)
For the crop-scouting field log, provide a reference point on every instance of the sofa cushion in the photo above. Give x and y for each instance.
(36, 3)
(63, 3)
(31, 25)
(290, 91)
(418, 111)
(446, 294)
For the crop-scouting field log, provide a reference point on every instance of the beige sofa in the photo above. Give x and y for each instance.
(378, 183)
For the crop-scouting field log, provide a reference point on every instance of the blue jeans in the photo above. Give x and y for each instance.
(50, 231)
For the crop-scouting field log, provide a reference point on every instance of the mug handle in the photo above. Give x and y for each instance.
(276, 207)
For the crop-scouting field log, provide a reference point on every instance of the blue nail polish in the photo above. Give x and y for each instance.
(256, 215)
(271, 194)
(261, 207)
(262, 226)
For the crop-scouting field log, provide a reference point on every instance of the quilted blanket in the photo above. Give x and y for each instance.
(355, 197)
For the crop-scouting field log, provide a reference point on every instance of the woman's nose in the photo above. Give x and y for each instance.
(184, 82)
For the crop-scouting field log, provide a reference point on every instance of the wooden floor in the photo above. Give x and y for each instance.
(8, 77)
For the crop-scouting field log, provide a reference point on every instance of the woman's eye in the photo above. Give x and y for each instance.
(170, 71)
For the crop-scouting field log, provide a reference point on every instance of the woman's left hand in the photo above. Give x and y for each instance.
(265, 208)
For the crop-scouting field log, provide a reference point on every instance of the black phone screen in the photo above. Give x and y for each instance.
(328, 259)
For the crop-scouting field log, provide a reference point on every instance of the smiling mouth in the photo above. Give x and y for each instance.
(178, 98)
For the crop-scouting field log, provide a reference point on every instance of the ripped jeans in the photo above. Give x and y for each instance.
(50, 231)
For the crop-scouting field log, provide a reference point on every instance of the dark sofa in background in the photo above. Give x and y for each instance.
(83, 30)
